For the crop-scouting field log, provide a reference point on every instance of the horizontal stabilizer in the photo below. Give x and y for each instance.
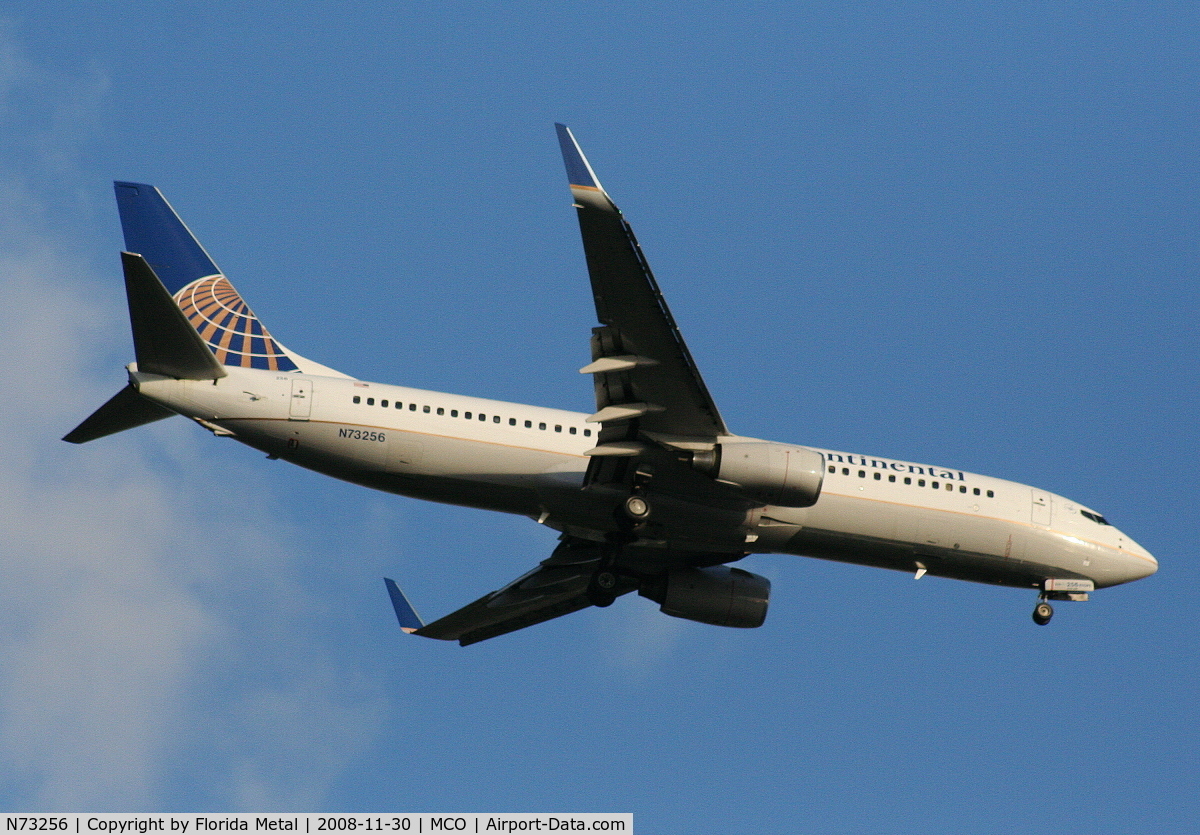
(125, 410)
(163, 339)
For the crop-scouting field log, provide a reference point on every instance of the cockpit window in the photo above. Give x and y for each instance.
(1095, 517)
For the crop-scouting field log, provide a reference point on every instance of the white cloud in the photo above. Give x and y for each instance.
(143, 606)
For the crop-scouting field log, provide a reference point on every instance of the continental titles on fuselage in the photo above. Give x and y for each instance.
(897, 466)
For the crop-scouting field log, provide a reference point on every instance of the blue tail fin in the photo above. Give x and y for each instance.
(223, 320)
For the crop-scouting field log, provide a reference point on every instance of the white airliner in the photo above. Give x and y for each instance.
(651, 493)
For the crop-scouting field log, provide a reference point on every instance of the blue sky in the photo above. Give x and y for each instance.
(960, 233)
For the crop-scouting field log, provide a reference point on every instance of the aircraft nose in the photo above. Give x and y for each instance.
(1138, 562)
(1149, 565)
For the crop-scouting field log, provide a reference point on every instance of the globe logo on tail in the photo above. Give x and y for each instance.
(229, 326)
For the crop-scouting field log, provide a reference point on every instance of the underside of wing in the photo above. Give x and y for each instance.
(642, 368)
(691, 585)
(557, 587)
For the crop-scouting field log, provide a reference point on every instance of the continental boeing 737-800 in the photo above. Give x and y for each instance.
(651, 493)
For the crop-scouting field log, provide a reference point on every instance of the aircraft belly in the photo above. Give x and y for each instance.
(435, 468)
(905, 538)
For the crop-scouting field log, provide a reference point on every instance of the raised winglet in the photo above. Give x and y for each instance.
(410, 621)
(585, 187)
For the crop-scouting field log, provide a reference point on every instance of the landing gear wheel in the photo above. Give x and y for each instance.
(601, 591)
(1042, 613)
(637, 508)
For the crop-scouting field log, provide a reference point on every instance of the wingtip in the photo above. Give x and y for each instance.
(409, 620)
(585, 185)
(579, 173)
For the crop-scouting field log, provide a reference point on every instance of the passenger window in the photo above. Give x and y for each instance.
(934, 485)
(467, 415)
(441, 411)
(557, 428)
(495, 418)
(512, 421)
(541, 426)
(832, 468)
(399, 405)
(357, 399)
(950, 487)
(892, 479)
(454, 413)
(529, 424)
(845, 471)
(383, 403)
(370, 401)
(587, 433)
(412, 407)
(425, 410)
(878, 476)
(991, 494)
(572, 430)
(920, 482)
(482, 416)
(962, 489)
(976, 491)
(908, 479)
(862, 474)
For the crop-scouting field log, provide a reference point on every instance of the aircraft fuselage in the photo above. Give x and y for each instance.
(532, 461)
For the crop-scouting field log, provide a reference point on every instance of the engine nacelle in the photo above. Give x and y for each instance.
(777, 474)
(720, 595)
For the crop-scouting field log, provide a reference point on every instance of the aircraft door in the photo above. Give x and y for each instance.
(1042, 508)
(300, 407)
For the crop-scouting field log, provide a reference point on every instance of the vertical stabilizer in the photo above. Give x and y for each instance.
(215, 309)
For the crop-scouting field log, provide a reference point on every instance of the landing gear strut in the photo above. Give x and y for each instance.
(1042, 613)
(1057, 588)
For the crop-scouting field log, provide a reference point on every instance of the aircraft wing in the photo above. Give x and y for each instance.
(642, 368)
(558, 586)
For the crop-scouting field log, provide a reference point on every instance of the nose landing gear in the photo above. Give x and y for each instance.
(1059, 589)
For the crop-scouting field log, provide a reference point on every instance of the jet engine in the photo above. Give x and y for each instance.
(771, 473)
(719, 595)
